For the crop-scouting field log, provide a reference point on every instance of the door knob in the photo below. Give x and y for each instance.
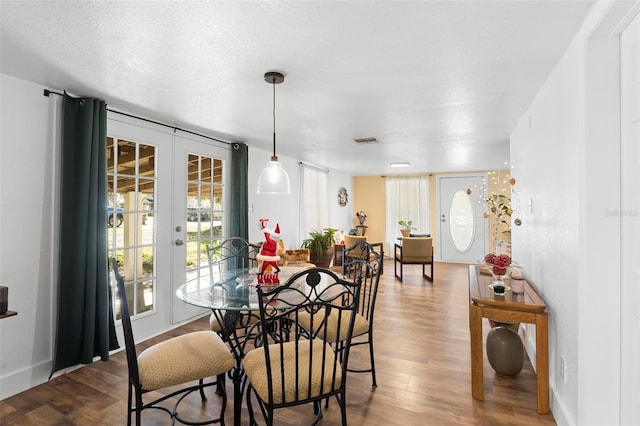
(179, 242)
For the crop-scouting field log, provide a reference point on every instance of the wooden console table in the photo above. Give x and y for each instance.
(525, 307)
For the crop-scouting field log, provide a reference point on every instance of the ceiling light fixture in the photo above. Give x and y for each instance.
(400, 164)
(274, 179)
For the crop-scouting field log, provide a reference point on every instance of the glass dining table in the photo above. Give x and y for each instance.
(233, 299)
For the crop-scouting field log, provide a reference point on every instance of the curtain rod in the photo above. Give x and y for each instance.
(82, 100)
(78, 98)
(304, 163)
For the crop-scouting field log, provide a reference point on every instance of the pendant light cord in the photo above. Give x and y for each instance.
(274, 157)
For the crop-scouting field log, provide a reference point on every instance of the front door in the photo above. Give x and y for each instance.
(463, 230)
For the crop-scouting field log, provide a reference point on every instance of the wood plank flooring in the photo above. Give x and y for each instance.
(422, 362)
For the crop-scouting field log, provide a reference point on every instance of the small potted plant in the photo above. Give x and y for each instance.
(406, 227)
(320, 245)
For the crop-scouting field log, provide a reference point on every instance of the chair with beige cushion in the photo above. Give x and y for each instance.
(365, 268)
(353, 251)
(183, 361)
(292, 363)
(351, 240)
(414, 251)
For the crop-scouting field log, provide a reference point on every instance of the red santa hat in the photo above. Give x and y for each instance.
(277, 230)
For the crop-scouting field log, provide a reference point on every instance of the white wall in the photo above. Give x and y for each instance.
(283, 209)
(26, 235)
(565, 156)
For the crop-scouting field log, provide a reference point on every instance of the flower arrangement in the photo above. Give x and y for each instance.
(362, 216)
(499, 206)
(499, 263)
(500, 210)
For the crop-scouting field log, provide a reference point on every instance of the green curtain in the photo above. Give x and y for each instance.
(239, 191)
(85, 326)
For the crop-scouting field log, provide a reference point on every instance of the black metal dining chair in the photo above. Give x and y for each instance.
(179, 361)
(292, 363)
(230, 254)
(362, 263)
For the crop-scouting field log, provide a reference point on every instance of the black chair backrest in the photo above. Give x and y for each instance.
(365, 268)
(129, 343)
(232, 253)
(318, 293)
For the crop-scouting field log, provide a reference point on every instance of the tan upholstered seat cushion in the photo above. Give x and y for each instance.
(214, 323)
(182, 359)
(254, 367)
(360, 326)
(415, 259)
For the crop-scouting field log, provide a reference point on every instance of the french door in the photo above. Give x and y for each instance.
(463, 230)
(200, 200)
(160, 215)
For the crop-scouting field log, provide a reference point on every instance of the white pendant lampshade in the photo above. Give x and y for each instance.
(274, 179)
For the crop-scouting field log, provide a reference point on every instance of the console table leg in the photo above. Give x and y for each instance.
(475, 328)
(542, 362)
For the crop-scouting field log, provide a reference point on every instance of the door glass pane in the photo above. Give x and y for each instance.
(204, 211)
(131, 183)
(461, 221)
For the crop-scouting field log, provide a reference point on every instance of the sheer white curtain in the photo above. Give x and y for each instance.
(407, 198)
(314, 203)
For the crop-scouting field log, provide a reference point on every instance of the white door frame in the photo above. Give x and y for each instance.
(630, 215)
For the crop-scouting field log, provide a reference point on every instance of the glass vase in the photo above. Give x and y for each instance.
(498, 284)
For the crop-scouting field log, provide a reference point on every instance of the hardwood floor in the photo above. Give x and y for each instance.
(422, 360)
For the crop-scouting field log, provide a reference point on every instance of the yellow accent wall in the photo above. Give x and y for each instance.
(369, 197)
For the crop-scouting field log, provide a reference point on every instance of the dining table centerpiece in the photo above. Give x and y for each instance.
(268, 256)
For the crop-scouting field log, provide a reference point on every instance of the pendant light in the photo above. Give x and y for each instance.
(274, 179)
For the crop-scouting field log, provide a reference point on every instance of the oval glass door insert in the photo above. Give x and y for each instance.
(461, 221)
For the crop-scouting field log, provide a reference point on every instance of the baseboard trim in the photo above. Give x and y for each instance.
(559, 410)
(24, 379)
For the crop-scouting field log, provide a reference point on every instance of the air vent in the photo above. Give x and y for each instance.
(366, 140)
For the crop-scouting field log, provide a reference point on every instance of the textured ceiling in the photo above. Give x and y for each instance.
(440, 84)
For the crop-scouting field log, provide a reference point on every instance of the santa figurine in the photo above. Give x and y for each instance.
(268, 256)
